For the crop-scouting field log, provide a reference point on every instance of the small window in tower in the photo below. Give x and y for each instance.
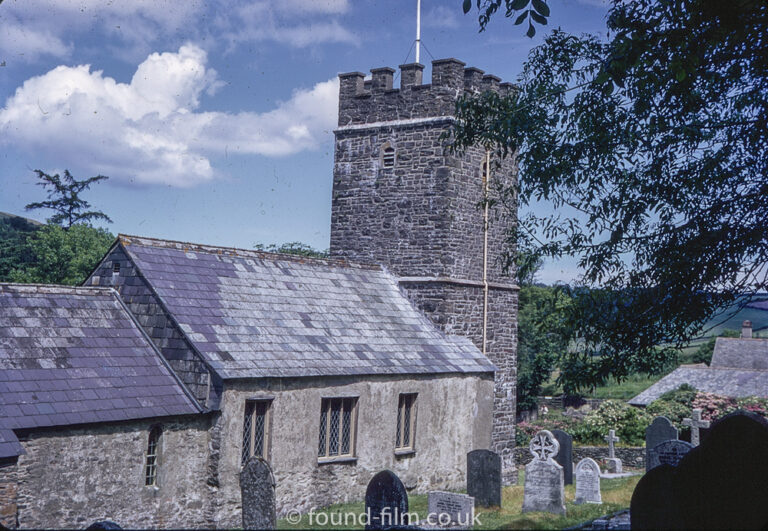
(388, 157)
(115, 268)
(150, 464)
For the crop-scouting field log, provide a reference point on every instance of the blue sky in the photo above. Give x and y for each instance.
(214, 120)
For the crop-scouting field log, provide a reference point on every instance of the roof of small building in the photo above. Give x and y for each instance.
(722, 381)
(74, 356)
(742, 353)
(253, 314)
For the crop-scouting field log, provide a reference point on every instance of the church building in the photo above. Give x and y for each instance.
(396, 353)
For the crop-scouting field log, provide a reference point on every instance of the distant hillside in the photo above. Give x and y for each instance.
(756, 311)
(6, 215)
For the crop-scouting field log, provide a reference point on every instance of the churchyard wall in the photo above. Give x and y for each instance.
(72, 477)
(630, 456)
(453, 416)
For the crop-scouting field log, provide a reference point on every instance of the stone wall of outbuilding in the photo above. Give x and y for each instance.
(72, 477)
(453, 416)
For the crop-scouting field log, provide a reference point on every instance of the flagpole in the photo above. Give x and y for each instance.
(418, 30)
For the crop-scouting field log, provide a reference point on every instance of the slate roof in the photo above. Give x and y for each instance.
(253, 314)
(74, 356)
(740, 353)
(723, 381)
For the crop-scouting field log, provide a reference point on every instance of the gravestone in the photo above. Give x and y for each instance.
(696, 424)
(653, 506)
(448, 508)
(660, 430)
(564, 456)
(668, 453)
(613, 463)
(386, 501)
(721, 484)
(587, 482)
(544, 489)
(257, 487)
(484, 477)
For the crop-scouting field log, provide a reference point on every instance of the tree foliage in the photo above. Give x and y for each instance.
(296, 248)
(650, 148)
(64, 199)
(530, 11)
(62, 256)
(14, 231)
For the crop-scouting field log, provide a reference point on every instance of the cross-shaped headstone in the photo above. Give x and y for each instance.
(611, 438)
(695, 423)
(543, 445)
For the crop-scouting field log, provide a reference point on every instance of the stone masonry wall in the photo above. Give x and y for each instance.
(158, 325)
(452, 418)
(629, 455)
(8, 492)
(422, 218)
(70, 478)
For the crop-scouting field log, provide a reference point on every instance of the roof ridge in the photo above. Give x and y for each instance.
(129, 239)
(55, 289)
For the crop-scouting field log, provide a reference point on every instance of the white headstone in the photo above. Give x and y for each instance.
(587, 482)
(448, 508)
(544, 488)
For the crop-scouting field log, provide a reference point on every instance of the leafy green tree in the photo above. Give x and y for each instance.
(62, 256)
(14, 231)
(64, 199)
(650, 147)
(297, 248)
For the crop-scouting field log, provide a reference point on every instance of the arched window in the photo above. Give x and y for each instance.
(388, 156)
(153, 449)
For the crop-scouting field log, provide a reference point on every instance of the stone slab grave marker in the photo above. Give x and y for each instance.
(257, 487)
(696, 423)
(660, 430)
(721, 484)
(544, 489)
(386, 501)
(587, 482)
(450, 509)
(564, 456)
(613, 462)
(668, 453)
(484, 477)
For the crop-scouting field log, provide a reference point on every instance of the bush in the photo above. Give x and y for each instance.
(675, 405)
(552, 421)
(628, 421)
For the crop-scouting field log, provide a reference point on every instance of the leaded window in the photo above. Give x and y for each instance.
(406, 422)
(150, 463)
(337, 428)
(256, 429)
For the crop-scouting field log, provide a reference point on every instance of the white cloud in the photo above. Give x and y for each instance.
(441, 17)
(131, 28)
(148, 130)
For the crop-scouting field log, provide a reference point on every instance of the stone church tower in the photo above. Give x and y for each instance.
(401, 200)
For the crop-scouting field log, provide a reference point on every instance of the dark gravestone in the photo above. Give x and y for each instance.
(653, 505)
(667, 453)
(723, 483)
(484, 477)
(386, 502)
(564, 457)
(660, 430)
(101, 525)
(257, 486)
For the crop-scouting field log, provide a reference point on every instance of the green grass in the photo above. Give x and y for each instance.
(629, 387)
(616, 495)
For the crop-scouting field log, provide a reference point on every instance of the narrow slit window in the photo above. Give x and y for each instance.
(153, 447)
(337, 428)
(115, 268)
(256, 425)
(388, 157)
(406, 422)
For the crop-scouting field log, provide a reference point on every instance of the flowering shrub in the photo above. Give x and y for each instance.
(713, 406)
(675, 405)
(628, 421)
(553, 421)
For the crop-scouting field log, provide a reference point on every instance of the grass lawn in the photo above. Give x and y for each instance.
(631, 386)
(616, 495)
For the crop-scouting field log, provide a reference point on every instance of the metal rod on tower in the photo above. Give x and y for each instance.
(418, 30)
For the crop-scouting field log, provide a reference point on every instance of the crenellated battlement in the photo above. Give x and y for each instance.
(376, 100)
